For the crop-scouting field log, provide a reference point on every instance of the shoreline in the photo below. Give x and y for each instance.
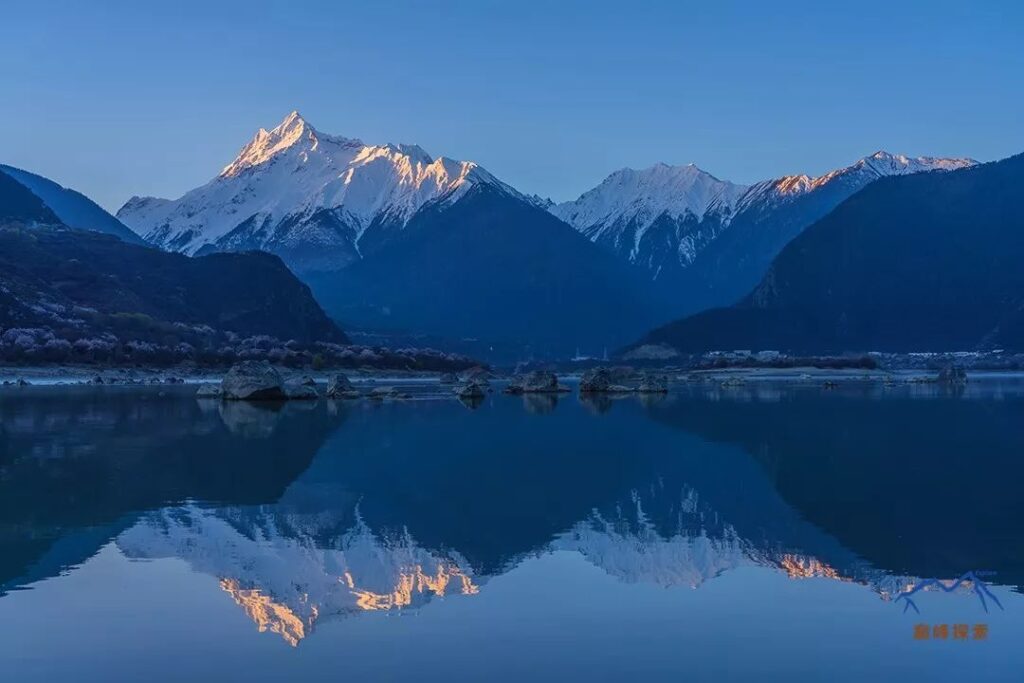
(75, 375)
(64, 375)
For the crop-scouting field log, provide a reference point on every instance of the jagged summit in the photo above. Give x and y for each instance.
(293, 130)
(886, 164)
(295, 189)
(878, 165)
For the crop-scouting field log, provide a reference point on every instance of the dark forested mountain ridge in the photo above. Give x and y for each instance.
(493, 266)
(927, 262)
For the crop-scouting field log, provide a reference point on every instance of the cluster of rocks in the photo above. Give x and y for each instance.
(472, 384)
(603, 381)
(339, 386)
(260, 381)
(536, 382)
(600, 381)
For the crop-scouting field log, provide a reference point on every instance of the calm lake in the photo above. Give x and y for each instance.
(759, 532)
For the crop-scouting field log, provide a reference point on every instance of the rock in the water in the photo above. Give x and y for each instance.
(952, 374)
(604, 381)
(308, 381)
(653, 383)
(22, 382)
(448, 378)
(339, 386)
(471, 389)
(210, 391)
(595, 380)
(540, 382)
(253, 380)
(300, 391)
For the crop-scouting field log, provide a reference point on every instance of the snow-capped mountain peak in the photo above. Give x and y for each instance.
(306, 195)
(655, 216)
(293, 130)
(886, 164)
(644, 195)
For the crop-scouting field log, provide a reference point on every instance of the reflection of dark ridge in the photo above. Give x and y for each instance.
(79, 458)
(493, 484)
(925, 486)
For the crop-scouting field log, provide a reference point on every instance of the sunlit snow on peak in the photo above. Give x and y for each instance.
(294, 171)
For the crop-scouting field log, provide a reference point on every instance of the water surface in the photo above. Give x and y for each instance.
(766, 531)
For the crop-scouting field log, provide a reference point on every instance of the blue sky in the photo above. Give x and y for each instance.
(121, 98)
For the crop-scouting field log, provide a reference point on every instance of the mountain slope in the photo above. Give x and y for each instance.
(71, 208)
(706, 241)
(64, 277)
(79, 295)
(492, 266)
(17, 203)
(319, 201)
(923, 262)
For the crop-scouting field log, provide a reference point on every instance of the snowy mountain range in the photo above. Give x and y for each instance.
(391, 238)
(663, 217)
(319, 201)
(334, 209)
(323, 202)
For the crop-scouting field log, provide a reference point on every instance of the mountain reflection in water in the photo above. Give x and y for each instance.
(317, 511)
